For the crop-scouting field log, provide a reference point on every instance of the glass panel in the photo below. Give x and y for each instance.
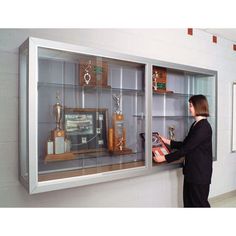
(89, 114)
(171, 91)
(206, 85)
(23, 120)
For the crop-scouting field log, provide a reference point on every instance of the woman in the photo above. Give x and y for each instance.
(197, 150)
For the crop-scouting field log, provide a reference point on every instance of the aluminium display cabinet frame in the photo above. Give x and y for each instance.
(28, 116)
(233, 135)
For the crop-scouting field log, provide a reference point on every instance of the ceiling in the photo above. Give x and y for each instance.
(227, 33)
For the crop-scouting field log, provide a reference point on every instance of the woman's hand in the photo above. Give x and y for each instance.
(165, 140)
(159, 159)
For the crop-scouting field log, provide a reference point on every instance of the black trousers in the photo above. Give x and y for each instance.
(196, 195)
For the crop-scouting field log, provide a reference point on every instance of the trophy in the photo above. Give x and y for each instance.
(87, 75)
(171, 132)
(155, 77)
(117, 134)
(58, 134)
(58, 144)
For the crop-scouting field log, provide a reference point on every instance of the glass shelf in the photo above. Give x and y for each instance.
(178, 117)
(172, 94)
(92, 89)
(173, 117)
(142, 116)
(177, 95)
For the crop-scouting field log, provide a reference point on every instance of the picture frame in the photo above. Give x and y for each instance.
(158, 146)
(87, 129)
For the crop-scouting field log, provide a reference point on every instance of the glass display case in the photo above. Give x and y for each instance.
(81, 113)
(85, 113)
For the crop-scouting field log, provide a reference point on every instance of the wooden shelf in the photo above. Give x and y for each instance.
(86, 154)
(59, 157)
(89, 171)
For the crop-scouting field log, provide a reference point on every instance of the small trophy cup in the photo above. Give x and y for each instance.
(171, 132)
(117, 134)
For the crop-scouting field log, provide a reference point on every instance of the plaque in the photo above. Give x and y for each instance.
(93, 73)
(159, 80)
(158, 146)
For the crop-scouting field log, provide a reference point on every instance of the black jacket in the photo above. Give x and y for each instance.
(197, 149)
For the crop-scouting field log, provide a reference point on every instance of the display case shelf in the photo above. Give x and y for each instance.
(89, 155)
(173, 94)
(167, 117)
(92, 89)
(178, 95)
(171, 117)
(88, 171)
(176, 117)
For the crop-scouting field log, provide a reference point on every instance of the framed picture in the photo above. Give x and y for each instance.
(87, 129)
(158, 146)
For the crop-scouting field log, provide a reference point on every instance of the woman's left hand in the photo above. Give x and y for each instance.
(159, 159)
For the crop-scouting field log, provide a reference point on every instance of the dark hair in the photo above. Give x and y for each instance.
(200, 105)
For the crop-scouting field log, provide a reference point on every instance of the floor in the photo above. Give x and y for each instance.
(225, 200)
